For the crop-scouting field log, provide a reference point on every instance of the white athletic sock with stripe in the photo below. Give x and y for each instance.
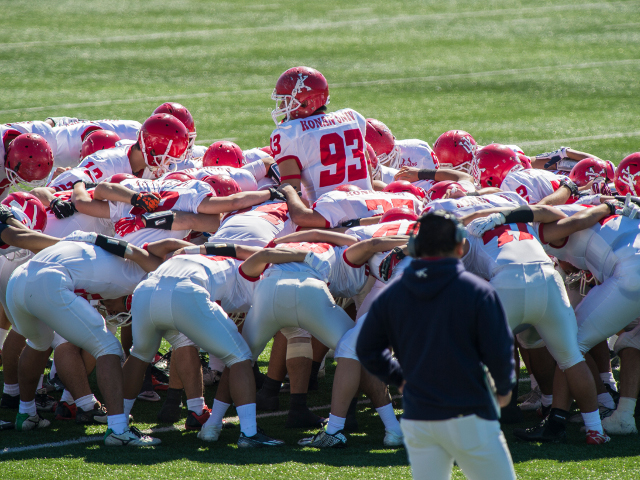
(388, 417)
(247, 416)
(11, 389)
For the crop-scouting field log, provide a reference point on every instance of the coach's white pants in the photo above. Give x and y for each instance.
(293, 300)
(182, 312)
(41, 299)
(477, 445)
(610, 307)
(534, 294)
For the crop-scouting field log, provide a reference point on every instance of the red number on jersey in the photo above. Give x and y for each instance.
(504, 234)
(353, 137)
(376, 204)
(275, 214)
(332, 153)
(399, 202)
(523, 192)
(94, 172)
(307, 247)
(275, 145)
(385, 230)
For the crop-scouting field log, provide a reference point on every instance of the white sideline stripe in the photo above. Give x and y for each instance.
(317, 25)
(172, 428)
(389, 81)
(558, 141)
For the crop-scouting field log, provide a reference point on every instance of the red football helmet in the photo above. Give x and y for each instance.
(163, 140)
(589, 169)
(382, 140)
(399, 186)
(179, 176)
(627, 175)
(440, 189)
(98, 140)
(398, 213)
(455, 150)
(222, 185)
(347, 188)
(299, 92)
(119, 177)
(491, 164)
(181, 113)
(28, 210)
(267, 150)
(28, 161)
(223, 154)
(372, 160)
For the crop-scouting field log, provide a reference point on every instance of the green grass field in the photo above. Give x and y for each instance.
(539, 74)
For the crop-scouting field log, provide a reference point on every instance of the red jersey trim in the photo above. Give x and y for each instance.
(346, 260)
(290, 157)
(541, 234)
(247, 277)
(288, 177)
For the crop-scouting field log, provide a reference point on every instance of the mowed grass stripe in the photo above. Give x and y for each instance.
(320, 25)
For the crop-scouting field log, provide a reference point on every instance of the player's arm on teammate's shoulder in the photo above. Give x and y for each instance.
(495, 343)
(16, 234)
(166, 247)
(538, 213)
(300, 214)
(327, 236)
(83, 202)
(361, 252)
(237, 201)
(413, 174)
(241, 252)
(44, 194)
(256, 263)
(555, 231)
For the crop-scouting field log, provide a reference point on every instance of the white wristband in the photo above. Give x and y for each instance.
(192, 250)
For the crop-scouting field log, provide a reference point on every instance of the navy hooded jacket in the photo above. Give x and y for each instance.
(443, 323)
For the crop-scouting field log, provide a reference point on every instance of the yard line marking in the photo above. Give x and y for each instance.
(172, 428)
(389, 81)
(403, 18)
(579, 139)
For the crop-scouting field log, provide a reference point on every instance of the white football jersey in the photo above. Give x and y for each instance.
(399, 227)
(427, 184)
(255, 226)
(59, 228)
(508, 244)
(97, 167)
(244, 178)
(532, 184)
(387, 174)
(220, 276)
(176, 196)
(414, 153)
(254, 164)
(466, 205)
(337, 206)
(94, 272)
(328, 148)
(600, 247)
(69, 137)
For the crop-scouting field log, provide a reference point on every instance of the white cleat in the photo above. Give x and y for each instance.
(210, 433)
(392, 439)
(132, 437)
(24, 422)
(620, 424)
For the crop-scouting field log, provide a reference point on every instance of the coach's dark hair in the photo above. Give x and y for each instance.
(439, 234)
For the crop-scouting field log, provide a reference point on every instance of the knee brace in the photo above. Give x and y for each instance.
(299, 347)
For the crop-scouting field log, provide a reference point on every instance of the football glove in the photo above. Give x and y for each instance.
(5, 213)
(276, 195)
(62, 209)
(553, 157)
(630, 209)
(389, 262)
(323, 267)
(148, 201)
(480, 226)
(600, 186)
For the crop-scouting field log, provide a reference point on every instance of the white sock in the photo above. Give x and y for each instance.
(218, 409)
(215, 363)
(117, 423)
(335, 424)
(196, 405)
(128, 405)
(40, 382)
(388, 417)
(247, 416)
(592, 421)
(13, 389)
(67, 397)
(546, 400)
(606, 400)
(3, 335)
(607, 378)
(87, 402)
(534, 382)
(28, 407)
(627, 405)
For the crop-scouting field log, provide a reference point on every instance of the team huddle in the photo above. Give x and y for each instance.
(116, 224)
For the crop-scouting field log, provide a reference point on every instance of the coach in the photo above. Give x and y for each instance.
(444, 325)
